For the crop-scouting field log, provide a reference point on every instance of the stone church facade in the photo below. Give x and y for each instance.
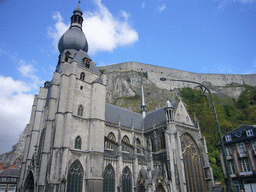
(77, 142)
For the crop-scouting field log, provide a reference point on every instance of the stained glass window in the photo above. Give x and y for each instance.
(162, 141)
(108, 144)
(125, 141)
(109, 179)
(75, 177)
(192, 164)
(80, 111)
(78, 142)
(126, 180)
(138, 143)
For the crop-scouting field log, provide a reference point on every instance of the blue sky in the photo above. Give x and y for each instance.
(202, 36)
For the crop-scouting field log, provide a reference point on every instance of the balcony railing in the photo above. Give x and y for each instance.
(246, 173)
(229, 157)
(242, 154)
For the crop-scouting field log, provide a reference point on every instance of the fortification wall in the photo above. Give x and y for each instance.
(156, 72)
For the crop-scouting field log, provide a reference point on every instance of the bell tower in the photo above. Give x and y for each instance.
(68, 154)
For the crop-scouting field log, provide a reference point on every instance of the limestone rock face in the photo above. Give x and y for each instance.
(16, 155)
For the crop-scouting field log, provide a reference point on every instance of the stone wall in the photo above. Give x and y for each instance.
(154, 74)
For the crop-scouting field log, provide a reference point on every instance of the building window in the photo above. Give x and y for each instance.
(249, 132)
(78, 142)
(241, 150)
(138, 143)
(126, 180)
(245, 165)
(4, 179)
(125, 141)
(2, 188)
(111, 136)
(254, 147)
(75, 177)
(11, 188)
(67, 56)
(228, 137)
(162, 141)
(231, 167)
(87, 63)
(108, 144)
(82, 76)
(80, 111)
(228, 152)
(109, 179)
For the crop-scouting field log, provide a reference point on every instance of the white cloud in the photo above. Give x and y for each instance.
(143, 4)
(15, 107)
(103, 31)
(58, 30)
(161, 7)
(16, 98)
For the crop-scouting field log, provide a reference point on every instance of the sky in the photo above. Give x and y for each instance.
(201, 36)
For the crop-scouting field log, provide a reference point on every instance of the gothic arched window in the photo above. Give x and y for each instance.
(138, 143)
(125, 141)
(192, 164)
(126, 180)
(162, 141)
(78, 142)
(111, 137)
(82, 76)
(75, 177)
(109, 179)
(80, 111)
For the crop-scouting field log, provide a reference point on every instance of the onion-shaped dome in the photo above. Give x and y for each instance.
(74, 37)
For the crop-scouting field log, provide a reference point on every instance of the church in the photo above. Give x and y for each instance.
(79, 143)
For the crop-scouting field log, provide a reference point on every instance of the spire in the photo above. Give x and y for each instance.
(77, 19)
(143, 105)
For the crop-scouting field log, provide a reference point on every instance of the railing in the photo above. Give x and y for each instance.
(246, 173)
(242, 154)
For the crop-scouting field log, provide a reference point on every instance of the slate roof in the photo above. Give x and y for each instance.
(157, 117)
(10, 173)
(239, 134)
(126, 116)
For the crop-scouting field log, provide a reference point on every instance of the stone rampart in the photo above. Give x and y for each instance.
(156, 72)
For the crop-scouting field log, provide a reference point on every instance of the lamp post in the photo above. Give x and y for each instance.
(229, 181)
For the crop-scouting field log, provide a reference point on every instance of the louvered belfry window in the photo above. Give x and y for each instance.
(75, 178)
(109, 179)
(192, 164)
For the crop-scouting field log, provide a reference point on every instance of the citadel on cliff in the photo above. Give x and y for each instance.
(77, 142)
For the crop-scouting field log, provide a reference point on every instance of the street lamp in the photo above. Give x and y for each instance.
(203, 89)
